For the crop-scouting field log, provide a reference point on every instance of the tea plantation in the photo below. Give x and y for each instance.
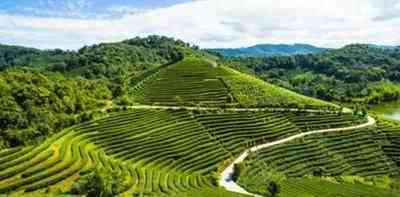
(363, 162)
(192, 119)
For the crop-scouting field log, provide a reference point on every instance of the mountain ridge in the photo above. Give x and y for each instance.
(260, 50)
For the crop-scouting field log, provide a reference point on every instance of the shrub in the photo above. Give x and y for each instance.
(101, 183)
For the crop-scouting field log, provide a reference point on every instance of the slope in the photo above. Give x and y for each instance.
(196, 81)
(359, 162)
(355, 72)
(162, 152)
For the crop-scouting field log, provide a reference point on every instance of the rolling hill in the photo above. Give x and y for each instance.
(197, 81)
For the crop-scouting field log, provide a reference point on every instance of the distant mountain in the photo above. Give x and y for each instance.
(384, 46)
(269, 50)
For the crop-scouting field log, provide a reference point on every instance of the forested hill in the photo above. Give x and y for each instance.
(106, 59)
(356, 72)
(11, 56)
(43, 91)
(264, 50)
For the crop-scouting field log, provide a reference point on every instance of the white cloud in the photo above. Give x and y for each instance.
(222, 23)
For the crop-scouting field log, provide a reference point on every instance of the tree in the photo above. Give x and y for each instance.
(364, 111)
(101, 183)
(238, 169)
(273, 188)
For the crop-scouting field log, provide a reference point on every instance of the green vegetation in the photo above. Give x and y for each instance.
(352, 73)
(315, 187)
(42, 92)
(198, 81)
(250, 91)
(152, 152)
(188, 82)
(14, 56)
(348, 163)
(71, 122)
(101, 183)
(34, 105)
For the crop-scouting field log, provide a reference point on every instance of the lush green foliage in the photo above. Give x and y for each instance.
(250, 91)
(62, 88)
(152, 152)
(316, 187)
(118, 61)
(188, 82)
(101, 183)
(175, 152)
(341, 75)
(34, 104)
(12, 56)
(349, 161)
(198, 81)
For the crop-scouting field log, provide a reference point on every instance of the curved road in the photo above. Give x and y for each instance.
(226, 176)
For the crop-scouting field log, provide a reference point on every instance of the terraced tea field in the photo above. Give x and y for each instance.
(318, 187)
(369, 152)
(193, 81)
(164, 152)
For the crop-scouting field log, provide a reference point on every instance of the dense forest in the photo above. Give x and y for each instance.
(43, 91)
(357, 72)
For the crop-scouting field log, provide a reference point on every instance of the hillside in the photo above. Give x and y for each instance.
(45, 91)
(355, 73)
(13, 56)
(156, 151)
(196, 81)
(363, 162)
(265, 50)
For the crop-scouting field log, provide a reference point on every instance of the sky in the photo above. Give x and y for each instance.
(71, 24)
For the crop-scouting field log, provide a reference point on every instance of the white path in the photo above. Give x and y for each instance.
(226, 180)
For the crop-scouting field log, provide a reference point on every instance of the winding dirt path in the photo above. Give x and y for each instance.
(226, 176)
